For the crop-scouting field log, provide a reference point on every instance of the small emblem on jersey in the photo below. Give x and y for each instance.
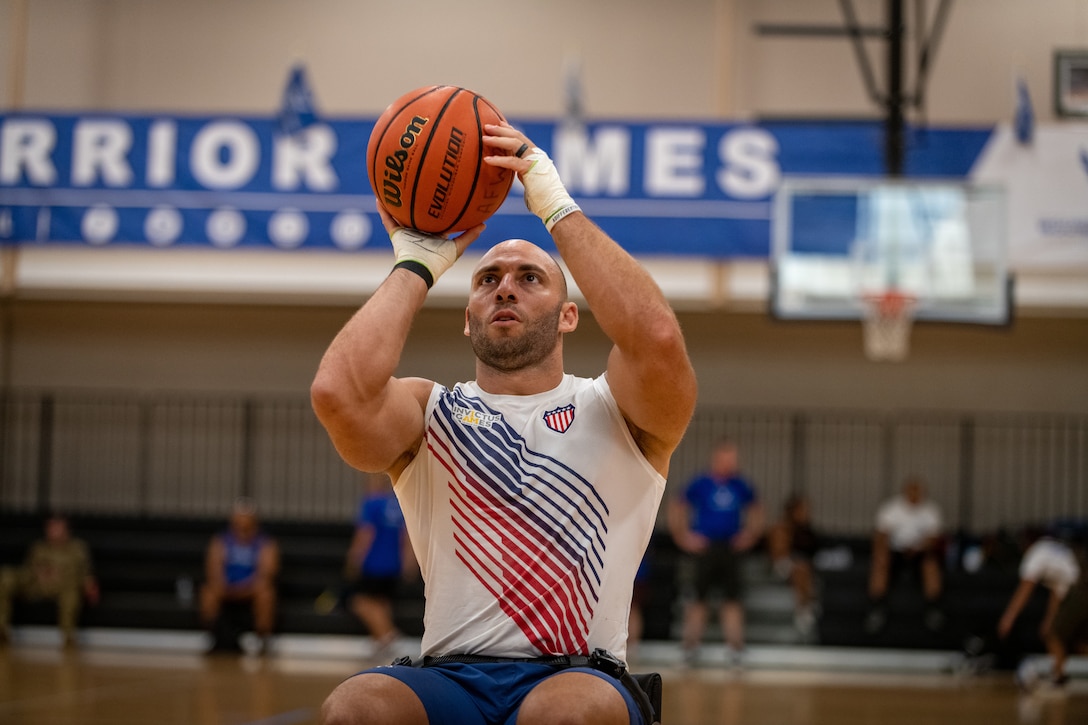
(468, 416)
(560, 418)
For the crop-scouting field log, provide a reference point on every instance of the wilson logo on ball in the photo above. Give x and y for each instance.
(394, 162)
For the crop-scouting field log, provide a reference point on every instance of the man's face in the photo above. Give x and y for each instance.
(517, 308)
(914, 492)
(724, 460)
(243, 525)
(56, 530)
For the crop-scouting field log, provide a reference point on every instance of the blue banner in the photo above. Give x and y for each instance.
(675, 187)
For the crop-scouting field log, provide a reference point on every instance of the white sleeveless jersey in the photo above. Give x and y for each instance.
(529, 516)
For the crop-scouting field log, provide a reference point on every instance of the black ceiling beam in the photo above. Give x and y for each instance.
(896, 98)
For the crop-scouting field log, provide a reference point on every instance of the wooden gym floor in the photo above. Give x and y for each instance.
(41, 684)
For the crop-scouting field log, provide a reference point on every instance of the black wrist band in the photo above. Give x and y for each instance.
(417, 268)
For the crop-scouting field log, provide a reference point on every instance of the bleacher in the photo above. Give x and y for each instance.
(972, 603)
(149, 570)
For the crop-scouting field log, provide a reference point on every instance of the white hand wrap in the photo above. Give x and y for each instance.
(545, 194)
(427, 255)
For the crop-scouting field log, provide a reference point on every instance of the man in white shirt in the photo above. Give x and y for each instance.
(529, 494)
(908, 533)
(1052, 564)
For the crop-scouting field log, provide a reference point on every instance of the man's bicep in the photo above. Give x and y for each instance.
(656, 395)
(376, 439)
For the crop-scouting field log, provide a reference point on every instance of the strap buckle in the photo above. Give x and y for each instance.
(603, 660)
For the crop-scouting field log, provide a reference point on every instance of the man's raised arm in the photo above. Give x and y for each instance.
(648, 369)
(374, 419)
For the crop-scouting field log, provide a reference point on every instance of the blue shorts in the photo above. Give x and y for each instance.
(485, 694)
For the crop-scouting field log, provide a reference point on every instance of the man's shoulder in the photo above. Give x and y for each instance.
(932, 508)
(893, 504)
(893, 511)
(742, 482)
(699, 480)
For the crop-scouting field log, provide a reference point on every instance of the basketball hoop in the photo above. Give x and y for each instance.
(886, 325)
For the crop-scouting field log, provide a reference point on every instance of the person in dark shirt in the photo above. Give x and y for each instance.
(792, 543)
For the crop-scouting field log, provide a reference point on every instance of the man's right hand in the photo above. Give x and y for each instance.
(744, 540)
(435, 254)
(693, 543)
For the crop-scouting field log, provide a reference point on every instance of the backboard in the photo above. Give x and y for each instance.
(836, 241)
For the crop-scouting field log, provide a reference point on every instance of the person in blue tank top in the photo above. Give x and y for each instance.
(377, 561)
(241, 565)
(715, 520)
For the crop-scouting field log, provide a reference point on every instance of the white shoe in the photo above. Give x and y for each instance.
(804, 620)
(1027, 675)
(875, 621)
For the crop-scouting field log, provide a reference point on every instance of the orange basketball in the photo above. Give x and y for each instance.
(426, 160)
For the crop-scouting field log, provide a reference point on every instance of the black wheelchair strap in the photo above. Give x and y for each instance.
(600, 659)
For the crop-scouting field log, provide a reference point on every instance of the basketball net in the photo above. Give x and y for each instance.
(886, 325)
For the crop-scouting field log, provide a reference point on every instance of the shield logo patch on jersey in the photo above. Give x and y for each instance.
(560, 418)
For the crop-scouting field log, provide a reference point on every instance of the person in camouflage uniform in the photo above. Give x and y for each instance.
(56, 567)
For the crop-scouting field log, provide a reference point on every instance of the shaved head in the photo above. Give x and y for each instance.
(533, 254)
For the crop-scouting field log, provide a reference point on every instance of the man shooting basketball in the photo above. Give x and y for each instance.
(529, 494)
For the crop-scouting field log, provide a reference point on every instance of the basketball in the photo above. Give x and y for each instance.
(426, 164)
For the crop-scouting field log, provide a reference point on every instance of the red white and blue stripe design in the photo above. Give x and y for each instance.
(527, 527)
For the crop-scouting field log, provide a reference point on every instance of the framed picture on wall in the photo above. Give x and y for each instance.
(1071, 82)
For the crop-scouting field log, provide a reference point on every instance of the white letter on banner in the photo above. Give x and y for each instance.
(25, 144)
(162, 139)
(674, 162)
(305, 155)
(750, 170)
(100, 147)
(243, 154)
(603, 166)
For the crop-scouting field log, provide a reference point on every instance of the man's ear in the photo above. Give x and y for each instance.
(466, 322)
(568, 317)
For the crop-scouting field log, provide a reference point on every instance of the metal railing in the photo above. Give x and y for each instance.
(189, 455)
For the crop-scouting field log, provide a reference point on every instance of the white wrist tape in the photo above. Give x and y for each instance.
(415, 249)
(545, 194)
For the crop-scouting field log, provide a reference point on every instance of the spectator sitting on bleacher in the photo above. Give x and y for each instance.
(792, 543)
(380, 556)
(241, 566)
(57, 567)
(908, 533)
(1051, 563)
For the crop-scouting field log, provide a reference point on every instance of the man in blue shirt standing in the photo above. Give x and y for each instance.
(376, 562)
(716, 519)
